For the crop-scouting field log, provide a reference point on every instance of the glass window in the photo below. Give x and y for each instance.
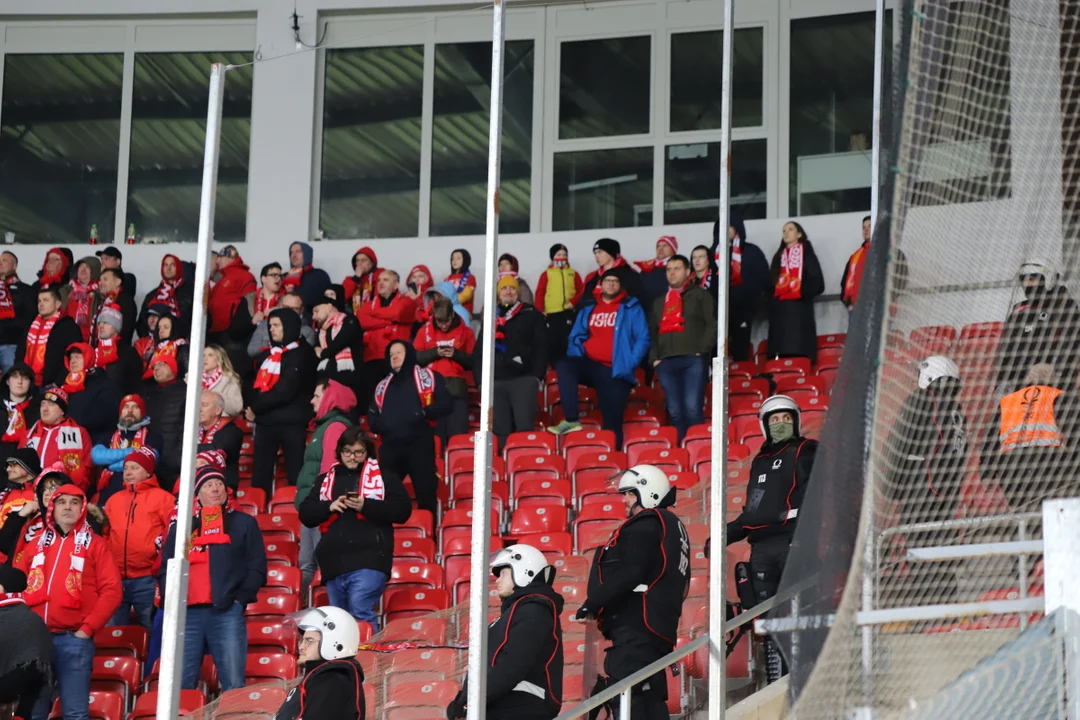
(59, 143)
(459, 148)
(168, 136)
(692, 181)
(832, 105)
(371, 142)
(696, 69)
(597, 189)
(604, 87)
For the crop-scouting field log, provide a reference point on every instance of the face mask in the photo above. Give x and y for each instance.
(560, 263)
(779, 432)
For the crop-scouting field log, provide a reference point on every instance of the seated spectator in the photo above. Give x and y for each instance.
(165, 401)
(169, 343)
(138, 515)
(508, 265)
(83, 300)
(341, 342)
(270, 292)
(112, 259)
(218, 432)
(55, 272)
(332, 687)
(280, 400)
(303, 278)
(797, 280)
(559, 290)
(173, 293)
(22, 468)
(58, 440)
(609, 341)
(608, 255)
(446, 289)
(362, 286)
(111, 291)
(218, 376)
(355, 505)
(18, 307)
(228, 566)
(21, 403)
(75, 587)
(51, 334)
(260, 339)
(117, 359)
(388, 317)
(333, 403)
(418, 282)
(446, 345)
(92, 395)
(652, 271)
(405, 404)
(520, 361)
(26, 647)
(749, 286)
(132, 432)
(231, 306)
(462, 278)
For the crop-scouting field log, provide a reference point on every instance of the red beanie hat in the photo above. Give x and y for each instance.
(135, 398)
(670, 241)
(144, 457)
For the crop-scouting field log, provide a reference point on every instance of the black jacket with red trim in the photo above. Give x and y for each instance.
(330, 690)
(779, 476)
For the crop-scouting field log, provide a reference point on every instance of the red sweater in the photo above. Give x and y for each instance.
(384, 324)
(600, 344)
(67, 443)
(460, 337)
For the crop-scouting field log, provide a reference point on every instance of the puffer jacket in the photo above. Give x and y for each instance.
(138, 515)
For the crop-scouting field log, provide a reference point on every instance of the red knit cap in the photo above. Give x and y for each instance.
(144, 458)
(137, 399)
(670, 241)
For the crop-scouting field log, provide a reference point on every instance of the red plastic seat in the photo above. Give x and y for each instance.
(130, 640)
(529, 443)
(543, 492)
(272, 605)
(538, 519)
(414, 575)
(670, 460)
(420, 524)
(462, 446)
(982, 330)
(641, 417)
(253, 495)
(529, 465)
(683, 480)
(741, 406)
(639, 439)
(555, 543)
(271, 637)
(810, 404)
(104, 705)
(461, 470)
(595, 485)
(283, 499)
(281, 577)
(743, 427)
(414, 602)
(786, 366)
(244, 703)
(423, 629)
(748, 387)
(571, 567)
(409, 548)
(835, 340)
(117, 674)
(586, 441)
(829, 358)
(464, 489)
(607, 460)
(457, 559)
(787, 384)
(283, 553)
(461, 518)
(287, 522)
(435, 694)
(269, 666)
(597, 515)
(146, 705)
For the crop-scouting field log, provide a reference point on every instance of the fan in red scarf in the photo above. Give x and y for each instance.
(270, 370)
(81, 302)
(608, 254)
(58, 439)
(371, 487)
(789, 282)
(422, 377)
(167, 351)
(360, 287)
(55, 268)
(109, 324)
(269, 296)
(7, 302)
(300, 257)
(212, 505)
(672, 320)
(166, 289)
(79, 359)
(666, 247)
(20, 394)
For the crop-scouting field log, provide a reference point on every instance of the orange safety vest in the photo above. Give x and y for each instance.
(1027, 419)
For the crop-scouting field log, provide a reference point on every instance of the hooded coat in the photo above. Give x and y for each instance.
(183, 293)
(289, 401)
(446, 289)
(792, 327)
(138, 515)
(747, 298)
(331, 420)
(61, 279)
(229, 293)
(30, 409)
(94, 407)
(359, 289)
(403, 417)
(80, 298)
(313, 282)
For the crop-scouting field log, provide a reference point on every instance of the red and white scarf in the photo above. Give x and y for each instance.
(206, 435)
(36, 341)
(425, 387)
(673, 321)
(7, 304)
(138, 440)
(504, 315)
(736, 261)
(209, 379)
(79, 303)
(597, 291)
(270, 370)
(789, 284)
(16, 425)
(853, 278)
(166, 289)
(294, 277)
(264, 304)
(329, 331)
(37, 589)
(371, 487)
(108, 352)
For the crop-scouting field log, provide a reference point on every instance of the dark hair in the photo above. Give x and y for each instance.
(867, 218)
(354, 435)
(51, 290)
(680, 258)
(268, 267)
(8, 252)
(116, 272)
(774, 267)
(442, 308)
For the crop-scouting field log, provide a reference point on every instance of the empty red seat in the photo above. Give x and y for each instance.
(595, 485)
(812, 403)
(786, 366)
(530, 442)
(461, 518)
(246, 702)
(462, 467)
(533, 492)
(117, 674)
(406, 575)
(641, 417)
(269, 636)
(421, 523)
(786, 384)
(748, 387)
(640, 438)
(683, 480)
(435, 694)
(283, 497)
(462, 446)
(130, 640)
(742, 427)
(743, 405)
(538, 519)
(413, 602)
(674, 459)
(554, 544)
(287, 522)
(829, 358)
(410, 548)
(586, 441)
(529, 465)
(146, 705)
(597, 515)
(282, 552)
(607, 460)
(835, 340)
(571, 567)
(272, 605)
(423, 629)
(255, 496)
(284, 578)
(270, 666)
(104, 705)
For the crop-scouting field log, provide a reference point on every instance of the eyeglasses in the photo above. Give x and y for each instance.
(354, 453)
(304, 642)
(273, 275)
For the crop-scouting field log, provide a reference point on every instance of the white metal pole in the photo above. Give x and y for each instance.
(1061, 559)
(172, 643)
(718, 499)
(875, 137)
(481, 530)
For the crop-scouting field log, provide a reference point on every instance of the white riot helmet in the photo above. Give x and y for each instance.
(649, 482)
(1039, 266)
(936, 367)
(340, 634)
(526, 563)
(775, 404)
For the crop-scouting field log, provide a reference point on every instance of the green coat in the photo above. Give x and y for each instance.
(314, 452)
(699, 336)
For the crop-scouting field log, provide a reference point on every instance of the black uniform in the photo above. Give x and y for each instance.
(637, 585)
(525, 657)
(330, 690)
(1042, 328)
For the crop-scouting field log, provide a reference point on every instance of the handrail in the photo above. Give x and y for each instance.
(766, 605)
(977, 521)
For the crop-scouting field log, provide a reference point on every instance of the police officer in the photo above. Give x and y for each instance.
(637, 585)
(525, 650)
(778, 479)
(332, 687)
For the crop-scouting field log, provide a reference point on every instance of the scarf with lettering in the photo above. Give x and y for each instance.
(329, 331)
(36, 341)
(461, 281)
(789, 284)
(78, 305)
(371, 487)
(264, 304)
(364, 287)
(37, 589)
(425, 387)
(108, 352)
(7, 305)
(138, 440)
(166, 289)
(16, 429)
(292, 279)
(165, 348)
(503, 315)
(736, 261)
(270, 370)
(673, 321)
(209, 379)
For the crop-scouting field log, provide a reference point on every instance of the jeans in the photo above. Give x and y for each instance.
(7, 357)
(138, 597)
(292, 439)
(225, 634)
(358, 592)
(683, 380)
(73, 660)
(610, 391)
(309, 540)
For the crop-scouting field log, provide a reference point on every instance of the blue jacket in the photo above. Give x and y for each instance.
(446, 289)
(631, 337)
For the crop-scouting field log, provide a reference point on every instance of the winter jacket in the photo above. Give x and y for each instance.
(403, 416)
(556, 287)
(94, 407)
(228, 387)
(126, 372)
(383, 321)
(18, 532)
(1039, 329)
(62, 336)
(25, 641)
(184, 295)
(453, 369)
(111, 456)
(631, 337)
(260, 339)
(229, 292)
(228, 439)
(312, 285)
(699, 334)
(746, 299)
(13, 497)
(138, 515)
(468, 290)
(792, 328)
(13, 331)
(361, 540)
(525, 340)
(237, 569)
(330, 690)
(289, 401)
(331, 420)
(359, 290)
(349, 337)
(165, 406)
(654, 284)
(66, 443)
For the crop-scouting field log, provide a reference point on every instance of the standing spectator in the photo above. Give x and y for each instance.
(705, 270)
(144, 346)
(138, 515)
(173, 292)
(21, 402)
(218, 376)
(856, 265)
(55, 272)
(333, 684)
(21, 469)
(520, 361)
(112, 259)
(462, 277)
(92, 395)
(51, 333)
(25, 527)
(18, 306)
(355, 505)
(405, 403)
(797, 281)
(559, 290)
(117, 359)
(168, 343)
(132, 433)
(749, 286)
(609, 341)
(303, 278)
(608, 255)
(58, 440)
(270, 292)
(83, 299)
(417, 284)
(361, 287)
(26, 648)
(280, 401)
(683, 326)
(111, 289)
(231, 306)
(260, 339)
(165, 399)
(228, 566)
(508, 265)
(446, 345)
(340, 342)
(72, 583)
(219, 433)
(652, 271)
(388, 317)
(333, 403)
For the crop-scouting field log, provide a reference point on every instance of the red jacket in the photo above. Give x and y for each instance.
(66, 443)
(460, 337)
(72, 590)
(12, 499)
(383, 324)
(228, 292)
(138, 515)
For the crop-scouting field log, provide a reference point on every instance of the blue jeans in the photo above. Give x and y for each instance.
(358, 592)
(138, 596)
(683, 380)
(73, 660)
(7, 357)
(225, 634)
(611, 392)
